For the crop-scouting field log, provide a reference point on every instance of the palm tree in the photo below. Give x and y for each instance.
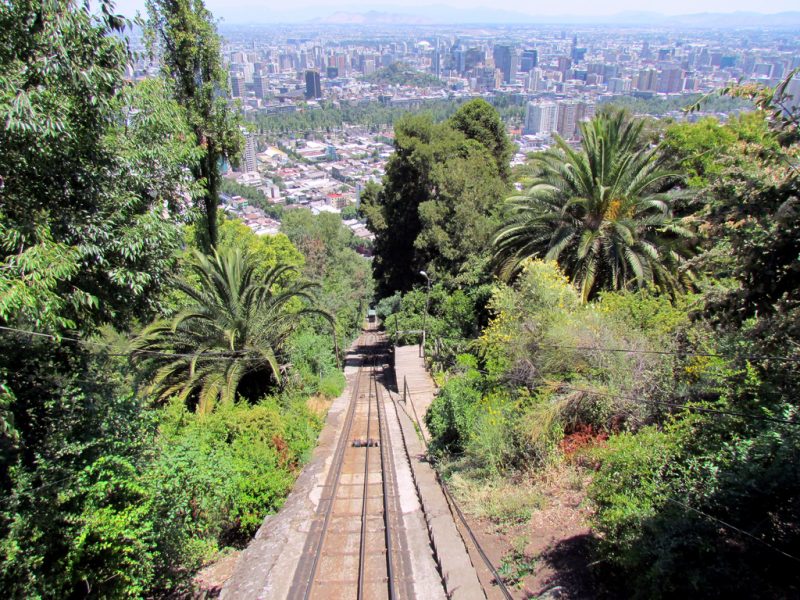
(602, 213)
(230, 336)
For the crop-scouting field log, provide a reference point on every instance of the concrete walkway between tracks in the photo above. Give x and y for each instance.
(459, 576)
(414, 384)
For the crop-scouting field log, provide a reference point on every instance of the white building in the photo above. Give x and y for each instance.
(541, 117)
(249, 163)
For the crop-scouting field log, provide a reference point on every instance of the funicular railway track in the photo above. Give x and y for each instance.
(353, 549)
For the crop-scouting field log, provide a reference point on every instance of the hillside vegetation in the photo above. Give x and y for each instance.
(632, 313)
(163, 370)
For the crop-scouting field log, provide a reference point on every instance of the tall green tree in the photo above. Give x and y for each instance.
(458, 220)
(183, 35)
(479, 121)
(92, 172)
(229, 337)
(602, 212)
(438, 202)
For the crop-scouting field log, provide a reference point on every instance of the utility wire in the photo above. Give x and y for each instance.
(14, 495)
(774, 395)
(686, 406)
(449, 496)
(695, 408)
(55, 338)
(715, 519)
(733, 528)
(751, 357)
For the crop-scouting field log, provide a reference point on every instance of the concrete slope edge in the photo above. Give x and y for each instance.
(273, 543)
(457, 571)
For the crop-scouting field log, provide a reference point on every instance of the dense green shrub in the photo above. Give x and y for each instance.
(451, 416)
(630, 488)
(313, 364)
(223, 472)
(332, 384)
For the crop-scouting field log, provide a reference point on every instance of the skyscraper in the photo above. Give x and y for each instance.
(249, 162)
(237, 85)
(586, 112)
(471, 59)
(313, 85)
(534, 77)
(648, 80)
(436, 63)
(564, 64)
(670, 81)
(261, 84)
(567, 118)
(541, 117)
(504, 60)
(530, 60)
(619, 85)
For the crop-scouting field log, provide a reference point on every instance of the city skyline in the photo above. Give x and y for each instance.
(259, 11)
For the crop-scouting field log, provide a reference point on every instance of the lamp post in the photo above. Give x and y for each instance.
(425, 314)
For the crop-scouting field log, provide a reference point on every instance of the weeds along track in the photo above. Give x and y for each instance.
(354, 547)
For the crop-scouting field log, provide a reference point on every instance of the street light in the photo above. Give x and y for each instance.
(425, 314)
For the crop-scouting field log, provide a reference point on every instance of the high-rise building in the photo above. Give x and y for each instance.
(793, 90)
(564, 64)
(313, 85)
(332, 72)
(670, 80)
(586, 111)
(534, 79)
(261, 84)
(647, 80)
(762, 69)
(286, 62)
(529, 60)
(487, 79)
(237, 85)
(471, 59)
(249, 164)
(592, 79)
(567, 118)
(504, 60)
(541, 117)
(436, 63)
(618, 85)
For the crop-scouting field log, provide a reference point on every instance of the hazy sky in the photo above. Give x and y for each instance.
(231, 10)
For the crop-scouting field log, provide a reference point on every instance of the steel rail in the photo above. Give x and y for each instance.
(363, 549)
(382, 426)
(305, 583)
(338, 461)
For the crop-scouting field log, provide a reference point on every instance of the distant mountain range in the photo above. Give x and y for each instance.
(447, 15)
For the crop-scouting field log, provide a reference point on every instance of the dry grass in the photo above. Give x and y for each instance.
(503, 502)
(319, 404)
